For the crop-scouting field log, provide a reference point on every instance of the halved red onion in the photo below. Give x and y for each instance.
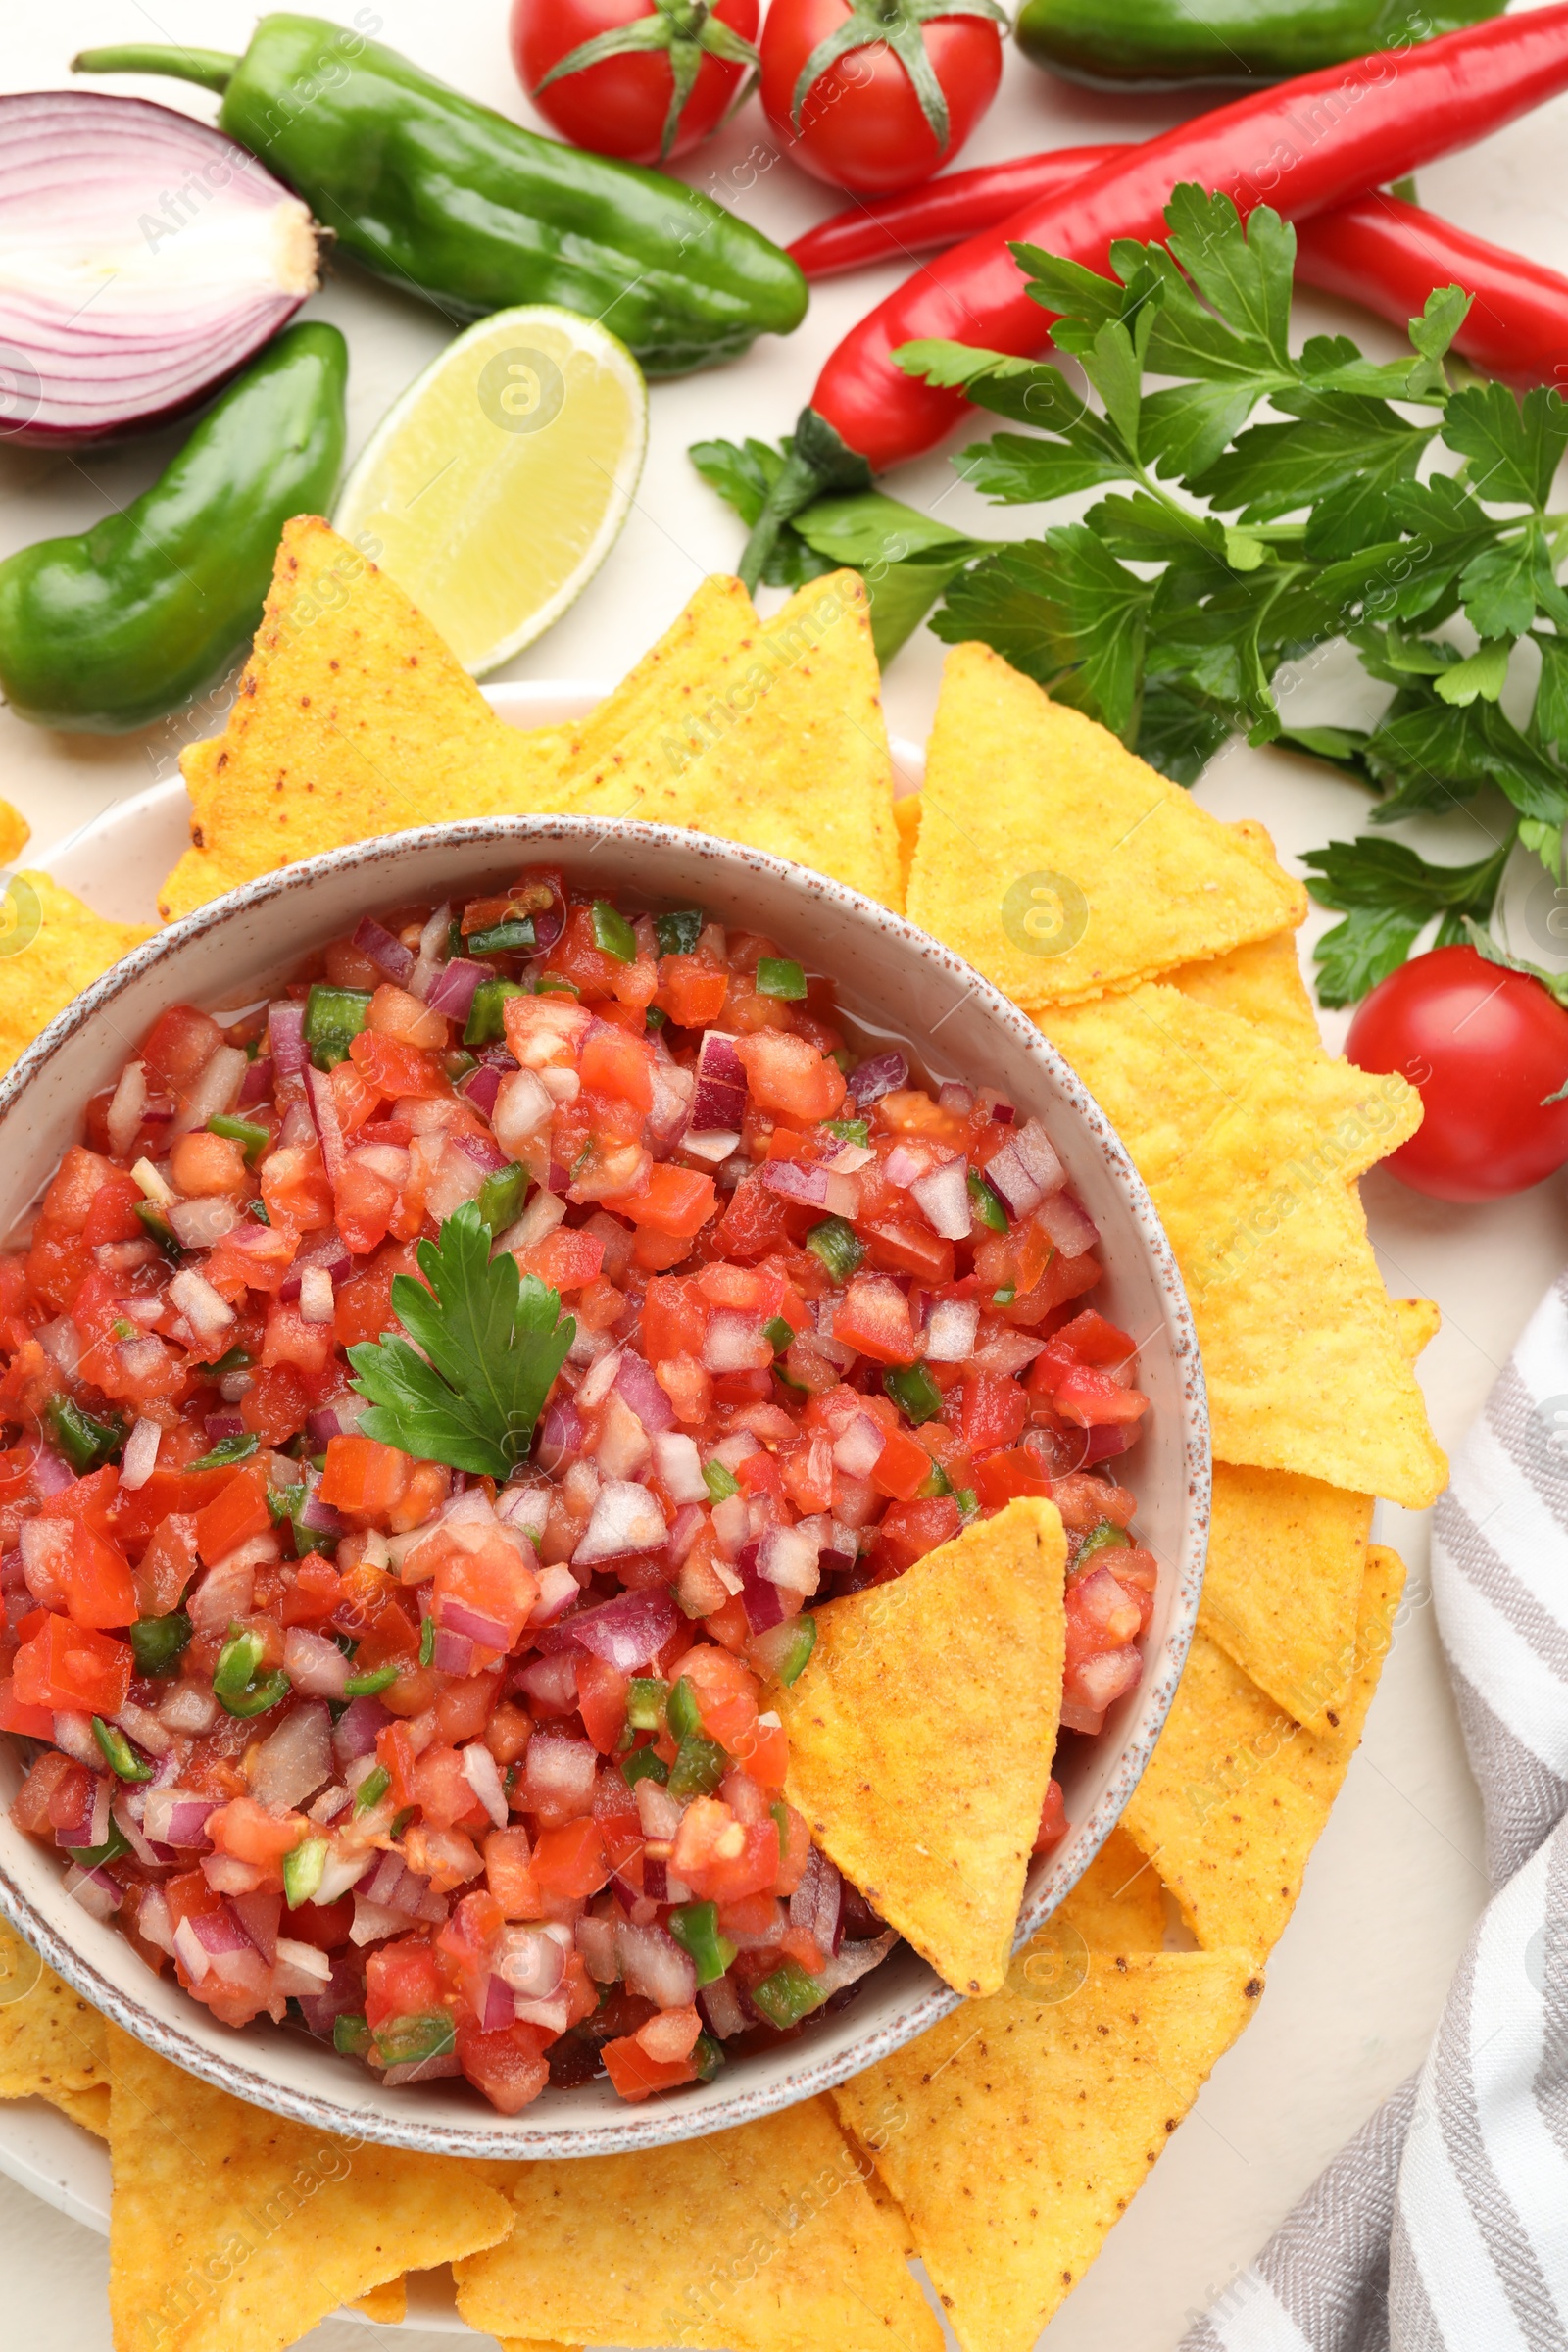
(950, 1334)
(630, 1630)
(123, 304)
(943, 1198)
(1068, 1223)
(285, 1034)
(384, 950)
(635, 1381)
(452, 986)
(882, 1075)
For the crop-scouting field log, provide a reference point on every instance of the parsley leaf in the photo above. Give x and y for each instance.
(1388, 896)
(487, 1349)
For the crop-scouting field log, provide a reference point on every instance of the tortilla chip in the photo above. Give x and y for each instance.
(89, 2108)
(760, 2239)
(230, 2227)
(1118, 1905)
(1017, 2131)
(1236, 1794)
(52, 2042)
(387, 2305)
(1246, 1144)
(681, 688)
(1282, 1591)
(907, 825)
(51, 948)
(14, 833)
(1261, 982)
(1419, 1321)
(789, 754)
(352, 719)
(1034, 812)
(922, 1730)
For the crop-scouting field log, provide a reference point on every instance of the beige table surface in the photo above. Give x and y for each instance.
(1358, 1978)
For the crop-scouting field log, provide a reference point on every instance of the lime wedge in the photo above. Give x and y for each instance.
(495, 487)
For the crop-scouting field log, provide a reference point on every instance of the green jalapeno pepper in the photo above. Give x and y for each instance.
(1149, 43)
(446, 197)
(112, 628)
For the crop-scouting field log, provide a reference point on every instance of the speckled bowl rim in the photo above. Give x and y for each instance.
(657, 2124)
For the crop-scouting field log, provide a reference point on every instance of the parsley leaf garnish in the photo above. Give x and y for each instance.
(492, 1344)
(1388, 895)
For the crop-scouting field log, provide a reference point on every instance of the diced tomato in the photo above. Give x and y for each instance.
(395, 1752)
(994, 1411)
(754, 1223)
(602, 1701)
(111, 1214)
(901, 1468)
(251, 1833)
(509, 1872)
(797, 1845)
(569, 1860)
(725, 1691)
(766, 1755)
(900, 1247)
(397, 1072)
(32, 1723)
(363, 1476)
(97, 1581)
(443, 1791)
(30, 1809)
(1001, 1476)
(636, 2076)
(401, 1979)
(722, 1857)
(239, 1513)
(691, 990)
(565, 1260)
(1052, 1819)
(677, 1201)
(364, 1301)
(275, 1404)
(481, 1576)
(909, 1530)
(1094, 1398)
(507, 2066)
(290, 1339)
(873, 1318)
(616, 1063)
(179, 1045)
(787, 1075)
(363, 1200)
(295, 1187)
(675, 1318)
(326, 1926)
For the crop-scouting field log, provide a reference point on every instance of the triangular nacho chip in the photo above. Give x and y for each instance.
(352, 719)
(1060, 863)
(1419, 1321)
(1118, 1905)
(231, 2227)
(922, 1735)
(1247, 1144)
(758, 2239)
(387, 2305)
(1282, 1591)
(789, 752)
(51, 948)
(687, 686)
(1015, 2133)
(1261, 982)
(52, 2042)
(1236, 1794)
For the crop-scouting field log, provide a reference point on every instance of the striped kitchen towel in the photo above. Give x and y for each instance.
(1443, 2226)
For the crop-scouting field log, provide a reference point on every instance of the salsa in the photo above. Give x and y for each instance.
(421, 1695)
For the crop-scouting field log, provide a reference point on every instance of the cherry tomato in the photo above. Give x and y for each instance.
(863, 123)
(626, 102)
(1483, 1047)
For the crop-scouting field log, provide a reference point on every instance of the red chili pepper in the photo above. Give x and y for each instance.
(1302, 147)
(1377, 251)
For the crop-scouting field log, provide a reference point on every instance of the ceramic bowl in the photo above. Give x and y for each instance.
(892, 978)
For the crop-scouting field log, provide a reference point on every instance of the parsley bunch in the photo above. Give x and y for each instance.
(1370, 503)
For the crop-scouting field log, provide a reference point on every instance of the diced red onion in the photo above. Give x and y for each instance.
(654, 1965)
(453, 986)
(318, 1302)
(206, 1313)
(852, 1961)
(338, 1419)
(178, 1817)
(296, 1760)
(323, 1103)
(595, 1943)
(1008, 1351)
(902, 1165)
(129, 1829)
(299, 1967)
(1100, 1681)
(126, 1107)
(140, 1457)
(1013, 1183)
(483, 1776)
(154, 1922)
(215, 1091)
(634, 1380)
(787, 1556)
(384, 950)
(718, 1146)
(218, 1932)
(763, 1601)
(816, 1903)
(796, 1180)
(684, 1531)
(484, 1151)
(223, 1425)
(718, 1100)
(480, 1088)
(356, 1729)
(1069, 1224)
(423, 2069)
(259, 1915)
(542, 1215)
(497, 2010)
(950, 1334)
(882, 1075)
(859, 1446)
(142, 1724)
(257, 1085)
(382, 1888)
(625, 1518)
(558, 1589)
(679, 1466)
(76, 1833)
(456, 1617)
(95, 1890)
(720, 2005)
(561, 1435)
(600, 1380)
(453, 1653)
(629, 1631)
(735, 1342)
(1004, 1114)
(50, 1472)
(558, 1769)
(530, 1962)
(298, 1131)
(944, 1197)
(955, 1097)
(315, 1666)
(326, 1250)
(1108, 1439)
(552, 1679)
(109, 332)
(525, 1506)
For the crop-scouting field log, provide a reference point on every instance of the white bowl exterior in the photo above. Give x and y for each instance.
(898, 978)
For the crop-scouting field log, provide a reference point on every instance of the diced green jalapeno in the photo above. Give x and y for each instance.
(645, 1702)
(1005, 1296)
(227, 1452)
(556, 984)
(1106, 1537)
(334, 1018)
(232, 1359)
(788, 1994)
(156, 1226)
(677, 934)
(85, 1442)
(613, 933)
(455, 937)
(655, 1017)
(486, 1023)
(288, 1504)
(514, 936)
(88, 1857)
(350, 2034)
(778, 1334)
(938, 1483)
(783, 1649)
(249, 1131)
(234, 1682)
(850, 1131)
(119, 1754)
(699, 1767)
(258, 1211)
(406, 2040)
(428, 1641)
(401, 1821)
(158, 1643)
(501, 1197)
(986, 1203)
(838, 1246)
(681, 1711)
(707, 2057)
(459, 1064)
(913, 1391)
(371, 1789)
(778, 976)
(366, 1686)
(720, 1482)
(302, 1871)
(643, 1765)
(695, 1928)
(967, 1500)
